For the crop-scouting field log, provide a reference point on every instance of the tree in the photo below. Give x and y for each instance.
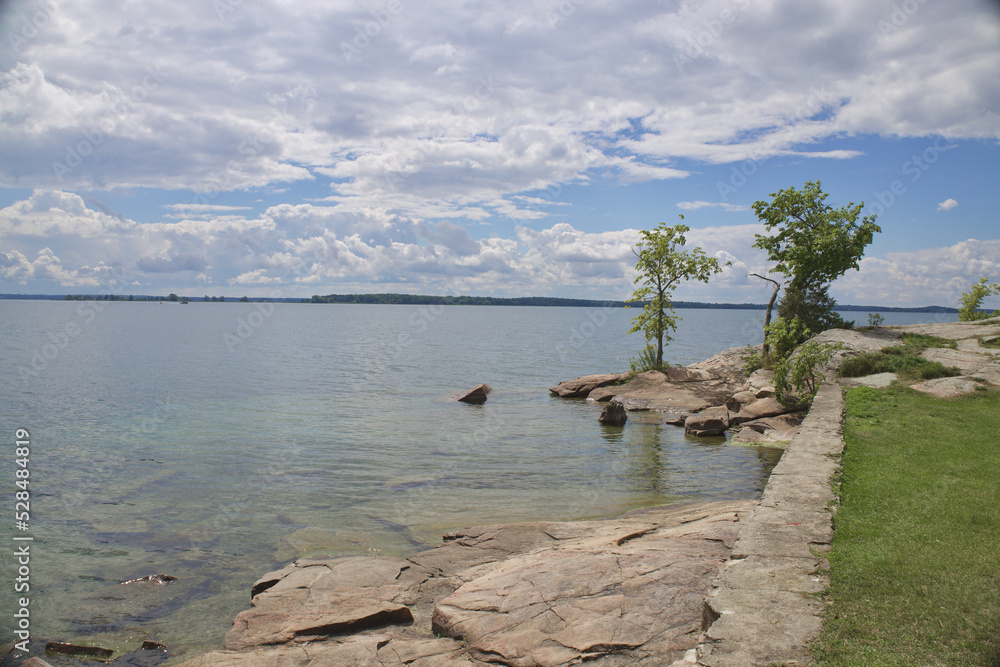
(661, 267)
(973, 299)
(813, 244)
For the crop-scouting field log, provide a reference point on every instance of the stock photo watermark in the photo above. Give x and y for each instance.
(914, 168)
(61, 338)
(899, 16)
(94, 137)
(22, 542)
(370, 30)
(741, 173)
(712, 29)
(32, 25)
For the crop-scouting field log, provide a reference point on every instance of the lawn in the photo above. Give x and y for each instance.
(915, 565)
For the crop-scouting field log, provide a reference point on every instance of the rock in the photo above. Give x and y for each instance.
(613, 414)
(876, 381)
(989, 340)
(158, 579)
(476, 395)
(765, 407)
(948, 387)
(610, 593)
(990, 374)
(35, 662)
(619, 591)
(967, 362)
(764, 392)
(674, 419)
(713, 421)
(736, 402)
(759, 379)
(152, 646)
(770, 429)
(77, 651)
(582, 386)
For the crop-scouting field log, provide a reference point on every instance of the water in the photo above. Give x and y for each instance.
(217, 442)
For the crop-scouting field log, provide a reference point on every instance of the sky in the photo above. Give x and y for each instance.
(290, 148)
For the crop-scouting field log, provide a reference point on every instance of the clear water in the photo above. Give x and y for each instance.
(216, 442)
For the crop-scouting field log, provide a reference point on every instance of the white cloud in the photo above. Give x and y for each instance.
(449, 110)
(695, 205)
(947, 205)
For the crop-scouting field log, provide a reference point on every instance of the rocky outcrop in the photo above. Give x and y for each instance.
(582, 386)
(613, 414)
(760, 409)
(681, 389)
(476, 395)
(623, 591)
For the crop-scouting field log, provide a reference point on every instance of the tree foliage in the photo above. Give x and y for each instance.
(973, 299)
(814, 243)
(662, 266)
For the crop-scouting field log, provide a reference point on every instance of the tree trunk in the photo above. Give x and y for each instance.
(765, 350)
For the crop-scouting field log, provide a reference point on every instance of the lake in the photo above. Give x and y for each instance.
(214, 442)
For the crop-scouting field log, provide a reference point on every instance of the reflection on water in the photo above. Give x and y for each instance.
(158, 450)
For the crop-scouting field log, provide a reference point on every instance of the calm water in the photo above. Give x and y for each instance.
(216, 442)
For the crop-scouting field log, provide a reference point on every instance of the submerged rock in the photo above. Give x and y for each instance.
(476, 395)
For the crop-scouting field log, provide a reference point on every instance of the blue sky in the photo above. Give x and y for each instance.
(512, 149)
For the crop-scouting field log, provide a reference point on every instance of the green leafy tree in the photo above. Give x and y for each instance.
(973, 299)
(813, 244)
(662, 266)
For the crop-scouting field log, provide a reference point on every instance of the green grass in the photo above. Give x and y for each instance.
(904, 360)
(915, 565)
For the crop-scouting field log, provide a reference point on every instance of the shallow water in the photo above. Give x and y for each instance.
(216, 442)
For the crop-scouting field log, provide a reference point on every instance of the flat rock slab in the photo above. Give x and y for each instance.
(947, 387)
(582, 386)
(967, 362)
(623, 591)
(876, 381)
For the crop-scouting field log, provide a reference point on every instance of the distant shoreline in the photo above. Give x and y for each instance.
(431, 300)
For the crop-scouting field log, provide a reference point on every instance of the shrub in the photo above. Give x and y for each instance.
(753, 362)
(904, 360)
(875, 320)
(645, 361)
(802, 372)
(783, 336)
(971, 300)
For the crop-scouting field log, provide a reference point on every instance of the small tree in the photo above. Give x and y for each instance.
(973, 299)
(661, 267)
(813, 245)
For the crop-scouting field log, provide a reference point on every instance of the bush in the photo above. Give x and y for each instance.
(971, 300)
(783, 336)
(646, 361)
(753, 362)
(875, 320)
(802, 372)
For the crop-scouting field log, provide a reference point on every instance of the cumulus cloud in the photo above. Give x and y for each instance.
(947, 205)
(449, 111)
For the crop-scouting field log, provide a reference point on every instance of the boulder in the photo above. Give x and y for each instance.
(582, 386)
(713, 421)
(613, 414)
(876, 381)
(770, 429)
(476, 395)
(765, 407)
(736, 402)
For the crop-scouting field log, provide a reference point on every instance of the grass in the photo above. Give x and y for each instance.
(915, 565)
(904, 360)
